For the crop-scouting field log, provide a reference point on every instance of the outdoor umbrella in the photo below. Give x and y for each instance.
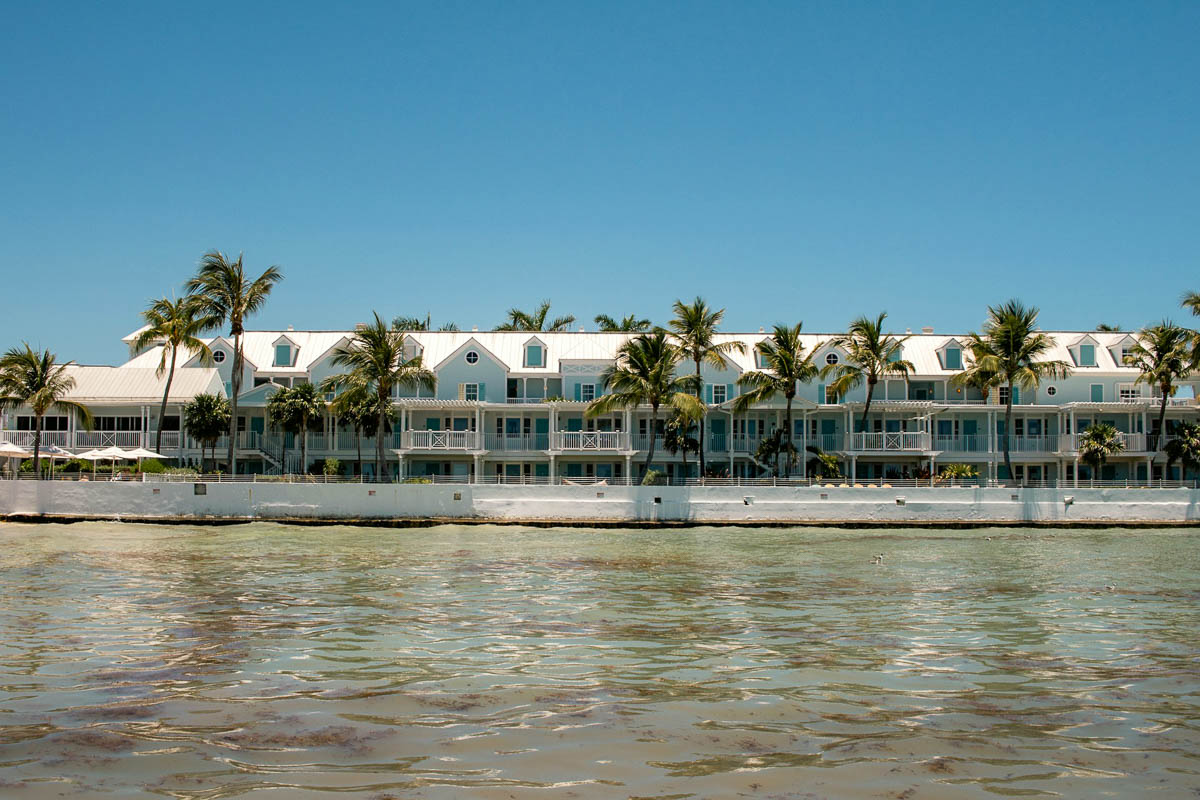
(115, 454)
(8, 450)
(139, 453)
(92, 456)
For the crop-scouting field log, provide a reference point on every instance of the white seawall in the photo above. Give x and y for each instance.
(594, 504)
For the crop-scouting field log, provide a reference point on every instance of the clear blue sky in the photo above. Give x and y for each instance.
(787, 160)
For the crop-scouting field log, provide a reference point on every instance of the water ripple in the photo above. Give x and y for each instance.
(454, 662)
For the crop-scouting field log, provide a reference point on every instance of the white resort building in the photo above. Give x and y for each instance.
(509, 406)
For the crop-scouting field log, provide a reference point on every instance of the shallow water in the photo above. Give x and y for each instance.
(495, 662)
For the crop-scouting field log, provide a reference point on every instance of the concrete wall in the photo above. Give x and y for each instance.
(597, 503)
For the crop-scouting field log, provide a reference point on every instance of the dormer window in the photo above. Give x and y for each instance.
(1087, 355)
(953, 358)
(535, 355)
(283, 355)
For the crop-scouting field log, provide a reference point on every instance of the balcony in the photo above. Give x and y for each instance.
(439, 440)
(896, 441)
(827, 442)
(510, 442)
(1134, 442)
(593, 440)
(25, 438)
(971, 443)
(90, 440)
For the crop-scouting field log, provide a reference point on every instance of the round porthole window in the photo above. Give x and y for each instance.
(472, 356)
(832, 358)
(1051, 391)
(218, 356)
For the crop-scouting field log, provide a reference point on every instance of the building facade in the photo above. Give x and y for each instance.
(510, 407)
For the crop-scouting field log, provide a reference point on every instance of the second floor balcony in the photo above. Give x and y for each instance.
(1133, 442)
(890, 441)
(439, 440)
(594, 440)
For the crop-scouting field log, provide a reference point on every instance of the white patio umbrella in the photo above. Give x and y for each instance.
(114, 454)
(92, 456)
(139, 453)
(54, 453)
(9, 451)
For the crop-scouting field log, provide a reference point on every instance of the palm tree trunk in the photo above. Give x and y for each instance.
(1162, 421)
(1007, 433)
(700, 439)
(791, 450)
(379, 432)
(653, 436)
(236, 385)
(162, 410)
(358, 446)
(867, 408)
(37, 445)
(304, 445)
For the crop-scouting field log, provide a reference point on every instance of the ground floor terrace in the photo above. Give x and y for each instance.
(537, 441)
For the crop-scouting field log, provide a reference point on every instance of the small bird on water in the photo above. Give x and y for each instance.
(877, 559)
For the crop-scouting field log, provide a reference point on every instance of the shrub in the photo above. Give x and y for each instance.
(655, 477)
(153, 466)
(332, 467)
(180, 471)
(418, 480)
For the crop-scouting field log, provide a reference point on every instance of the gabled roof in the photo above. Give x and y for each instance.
(469, 344)
(140, 384)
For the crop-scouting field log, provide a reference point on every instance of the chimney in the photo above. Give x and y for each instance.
(581, 330)
(908, 331)
(761, 329)
(290, 328)
(360, 326)
(475, 328)
(927, 330)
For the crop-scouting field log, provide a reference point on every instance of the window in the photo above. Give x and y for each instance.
(1051, 391)
(218, 356)
(718, 393)
(468, 391)
(1129, 393)
(760, 360)
(831, 359)
(1124, 355)
(533, 355)
(49, 423)
(472, 357)
(831, 397)
(283, 355)
(587, 392)
(1002, 395)
(1087, 355)
(116, 423)
(953, 358)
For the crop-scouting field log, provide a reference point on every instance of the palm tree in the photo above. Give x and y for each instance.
(631, 323)
(36, 380)
(353, 406)
(677, 436)
(783, 354)
(175, 324)
(822, 464)
(872, 356)
(283, 416)
(977, 374)
(1012, 347)
(1106, 327)
(644, 374)
(519, 320)
(772, 449)
(308, 404)
(206, 417)
(1099, 443)
(695, 329)
(418, 324)
(375, 358)
(223, 294)
(1163, 356)
(1184, 447)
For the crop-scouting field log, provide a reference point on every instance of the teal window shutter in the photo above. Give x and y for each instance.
(729, 391)
(578, 393)
(953, 358)
(1097, 393)
(482, 393)
(1016, 394)
(1087, 355)
(820, 394)
(708, 394)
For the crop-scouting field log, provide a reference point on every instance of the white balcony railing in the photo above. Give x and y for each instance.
(1134, 442)
(439, 440)
(889, 441)
(25, 438)
(593, 440)
(89, 440)
(970, 443)
(513, 442)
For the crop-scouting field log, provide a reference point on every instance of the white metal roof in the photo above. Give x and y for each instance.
(140, 385)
